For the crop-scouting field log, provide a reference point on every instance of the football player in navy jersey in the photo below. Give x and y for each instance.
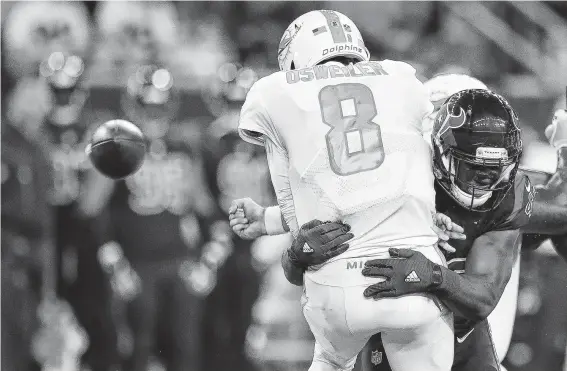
(55, 37)
(27, 228)
(80, 280)
(475, 163)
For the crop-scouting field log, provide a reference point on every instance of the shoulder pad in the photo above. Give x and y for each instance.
(397, 67)
(254, 122)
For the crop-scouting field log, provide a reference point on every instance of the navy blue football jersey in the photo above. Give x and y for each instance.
(513, 213)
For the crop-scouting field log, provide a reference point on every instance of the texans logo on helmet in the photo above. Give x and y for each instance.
(452, 122)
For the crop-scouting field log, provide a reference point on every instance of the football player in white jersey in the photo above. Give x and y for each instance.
(343, 136)
(502, 318)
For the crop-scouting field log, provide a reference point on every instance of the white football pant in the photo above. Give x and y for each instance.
(417, 330)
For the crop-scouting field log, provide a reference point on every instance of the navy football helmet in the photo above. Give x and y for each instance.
(476, 148)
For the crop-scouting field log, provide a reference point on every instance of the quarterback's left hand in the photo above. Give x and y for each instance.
(446, 230)
(411, 273)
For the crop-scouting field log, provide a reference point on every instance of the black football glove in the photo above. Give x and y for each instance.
(411, 273)
(318, 242)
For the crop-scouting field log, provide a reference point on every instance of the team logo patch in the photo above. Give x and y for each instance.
(452, 122)
(287, 38)
(412, 277)
(376, 357)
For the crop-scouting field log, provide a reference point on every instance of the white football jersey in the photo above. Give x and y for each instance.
(353, 139)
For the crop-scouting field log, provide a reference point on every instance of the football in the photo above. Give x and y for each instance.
(117, 148)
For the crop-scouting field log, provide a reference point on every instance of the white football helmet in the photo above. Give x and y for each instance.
(317, 36)
(443, 86)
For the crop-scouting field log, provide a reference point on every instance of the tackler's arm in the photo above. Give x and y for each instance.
(489, 264)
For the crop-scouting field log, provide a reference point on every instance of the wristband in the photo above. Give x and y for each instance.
(273, 221)
(437, 276)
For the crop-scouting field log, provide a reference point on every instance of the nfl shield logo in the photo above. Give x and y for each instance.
(376, 357)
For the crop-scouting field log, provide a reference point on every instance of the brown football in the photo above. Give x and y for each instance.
(117, 149)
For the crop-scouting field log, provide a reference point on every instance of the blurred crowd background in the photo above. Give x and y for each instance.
(144, 273)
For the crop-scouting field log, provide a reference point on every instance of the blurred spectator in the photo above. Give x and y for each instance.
(132, 32)
(156, 216)
(33, 30)
(51, 40)
(235, 169)
(27, 262)
(279, 337)
(81, 278)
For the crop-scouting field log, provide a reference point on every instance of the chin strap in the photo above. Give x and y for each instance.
(467, 199)
(463, 197)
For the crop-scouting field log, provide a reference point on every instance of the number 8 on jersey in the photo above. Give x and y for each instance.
(354, 143)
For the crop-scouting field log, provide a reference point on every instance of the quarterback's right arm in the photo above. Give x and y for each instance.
(249, 220)
(316, 242)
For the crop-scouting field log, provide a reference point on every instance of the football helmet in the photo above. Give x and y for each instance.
(476, 148)
(317, 36)
(441, 87)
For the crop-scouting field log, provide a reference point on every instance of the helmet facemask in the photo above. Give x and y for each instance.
(474, 180)
(477, 152)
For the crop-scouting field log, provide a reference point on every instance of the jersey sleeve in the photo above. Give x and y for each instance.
(255, 123)
(278, 162)
(519, 209)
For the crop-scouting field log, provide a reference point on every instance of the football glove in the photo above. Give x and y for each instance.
(318, 242)
(408, 273)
